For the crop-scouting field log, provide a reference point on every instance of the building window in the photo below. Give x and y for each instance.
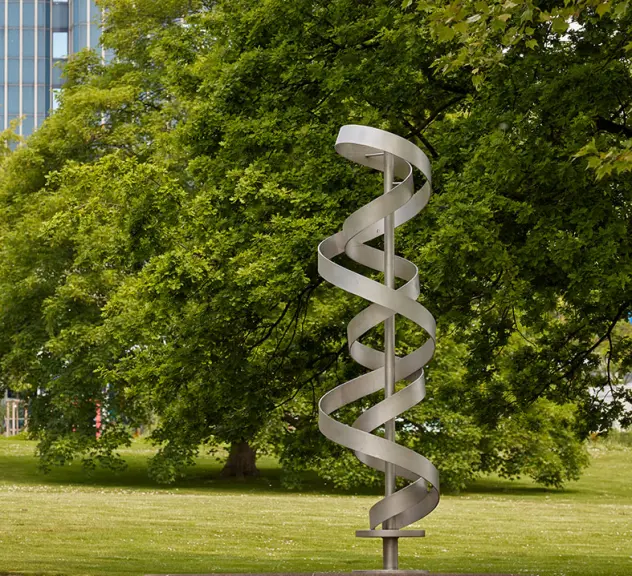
(28, 15)
(14, 71)
(28, 100)
(42, 13)
(28, 43)
(27, 125)
(60, 44)
(55, 99)
(60, 16)
(41, 100)
(43, 50)
(81, 36)
(14, 14)
(42, 69)
(28, 71)
(57, 80)
(13, 93)
(14, 43)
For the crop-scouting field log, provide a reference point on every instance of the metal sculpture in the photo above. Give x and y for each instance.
(395, 157)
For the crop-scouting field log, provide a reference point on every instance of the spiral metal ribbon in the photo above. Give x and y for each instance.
(367, 146)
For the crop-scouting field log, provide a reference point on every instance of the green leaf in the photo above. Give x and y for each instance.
(620, 9)
(477, 80)
(559, 25)
(594, 162)
(444, 33)
(461, 27)
(532, 44)
(603, 8)
(590, 148)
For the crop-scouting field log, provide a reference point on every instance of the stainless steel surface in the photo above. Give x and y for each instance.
(389, 545)
(390, 533)
(389, 553)
(396, 157)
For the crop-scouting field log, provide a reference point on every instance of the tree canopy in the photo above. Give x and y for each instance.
(159, 231)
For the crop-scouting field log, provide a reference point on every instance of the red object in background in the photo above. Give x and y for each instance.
(97, 420)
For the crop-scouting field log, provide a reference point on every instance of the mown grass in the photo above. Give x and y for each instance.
(124, 524)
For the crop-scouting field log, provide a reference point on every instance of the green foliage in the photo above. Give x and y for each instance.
(540, 443)
(612, 161)
(487, 37)
(158, 233)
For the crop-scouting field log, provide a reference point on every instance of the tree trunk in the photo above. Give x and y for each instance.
(241, 461)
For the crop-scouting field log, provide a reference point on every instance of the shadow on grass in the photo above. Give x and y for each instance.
(21, 468)
(491, 486)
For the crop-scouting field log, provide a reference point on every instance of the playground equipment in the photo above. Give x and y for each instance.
(15, 415)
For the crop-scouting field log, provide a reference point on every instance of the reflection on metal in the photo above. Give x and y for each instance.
(396, 157)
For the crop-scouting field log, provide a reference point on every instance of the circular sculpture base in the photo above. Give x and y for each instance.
(390, 533)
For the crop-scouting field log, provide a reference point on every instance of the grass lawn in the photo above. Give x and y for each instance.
(65, 523)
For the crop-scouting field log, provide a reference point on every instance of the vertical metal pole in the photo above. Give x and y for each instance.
(389, 544)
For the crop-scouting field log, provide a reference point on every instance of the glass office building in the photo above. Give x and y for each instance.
(36, 37)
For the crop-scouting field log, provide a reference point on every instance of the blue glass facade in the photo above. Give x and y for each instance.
(36, 37)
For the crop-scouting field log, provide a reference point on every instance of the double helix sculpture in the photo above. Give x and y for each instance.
(395, 157)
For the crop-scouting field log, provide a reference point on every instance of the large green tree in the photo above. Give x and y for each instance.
(159, 232)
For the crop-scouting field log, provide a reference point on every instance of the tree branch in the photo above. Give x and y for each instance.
(612, 127)
(414, 131)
